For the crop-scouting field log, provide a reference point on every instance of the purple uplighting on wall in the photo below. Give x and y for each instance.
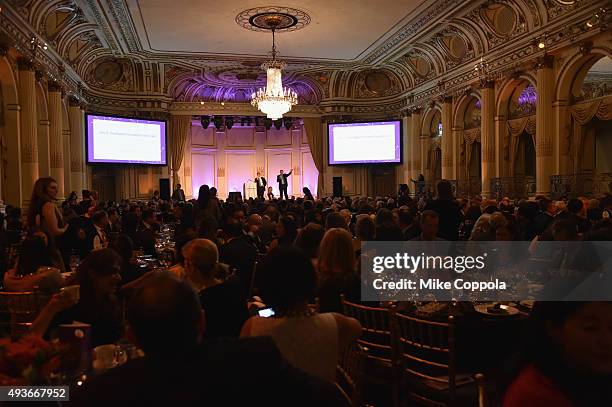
(528, 96)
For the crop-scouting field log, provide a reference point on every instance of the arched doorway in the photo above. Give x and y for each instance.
(467, 122)
(10, 152)
(520, 144)
(592, 128)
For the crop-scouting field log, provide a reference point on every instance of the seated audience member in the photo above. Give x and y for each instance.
(337, 270)
(146, 232)
(96, 236)
(335, 220)
(237, 252)
(386, 227)
(85, 203)
(286, 232)
(309, 240)
(114, 223)
(409, 228)
(544, 219)
(576, 212)
(130, 270)
(98, 276)
(166, 321)
(568, 359)
(308, 340)
(430, 223)
(33, 270)
(178, 268)
(253, 228)
(224, 302)
(365, 231)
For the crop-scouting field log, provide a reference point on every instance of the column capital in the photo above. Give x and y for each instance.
(487, 84)
(54, 86)
(544, 62)
(25, 64)
(73, 101)
(445, 99)
(39, 75)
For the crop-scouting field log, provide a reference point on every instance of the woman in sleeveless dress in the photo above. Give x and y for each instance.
(310, 341)
(44, 218)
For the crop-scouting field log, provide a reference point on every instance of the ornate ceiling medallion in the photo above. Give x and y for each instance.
(282, 19)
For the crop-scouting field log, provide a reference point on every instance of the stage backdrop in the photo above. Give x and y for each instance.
(225, 159)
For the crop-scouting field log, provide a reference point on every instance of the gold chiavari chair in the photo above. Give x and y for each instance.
(350, 373)
(19, 309)
(426, 361)
(376, 339)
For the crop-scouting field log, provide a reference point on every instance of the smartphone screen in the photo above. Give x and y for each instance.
(265, 312)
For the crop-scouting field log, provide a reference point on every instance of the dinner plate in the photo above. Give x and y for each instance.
(482, 309)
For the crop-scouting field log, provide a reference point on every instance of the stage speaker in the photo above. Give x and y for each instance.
(234, 197)
(337, 182)
(164, 189)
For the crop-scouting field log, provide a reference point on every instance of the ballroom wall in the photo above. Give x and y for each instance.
(227, 158)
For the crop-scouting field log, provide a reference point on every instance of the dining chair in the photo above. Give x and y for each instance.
(19, 309)
(376, 341)
(426, 362)
(350, 373)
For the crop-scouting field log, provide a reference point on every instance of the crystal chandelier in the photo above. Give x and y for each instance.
(274, 100)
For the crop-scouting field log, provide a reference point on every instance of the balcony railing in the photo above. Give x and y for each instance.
(469, 187)
(583, 184)
(513, 187)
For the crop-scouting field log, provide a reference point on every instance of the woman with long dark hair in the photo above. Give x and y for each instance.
(568, 357)
(206, 208)
(44, 217)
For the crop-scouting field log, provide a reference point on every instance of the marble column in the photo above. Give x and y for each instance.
(12, 189)
(415, 146)
(75, 115)
(28, 124)
(545, 131)
(487, 136)
(56, 145)
(447, 139)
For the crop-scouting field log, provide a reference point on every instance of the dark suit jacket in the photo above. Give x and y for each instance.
(263, 182)
(248, 371)
(278, 178)
(240, 254)
(145, 238)
(178, 195)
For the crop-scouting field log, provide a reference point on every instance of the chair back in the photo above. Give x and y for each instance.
(350, 373)
(19, 309)
(483, 399)
(376, 331)
(426, 358)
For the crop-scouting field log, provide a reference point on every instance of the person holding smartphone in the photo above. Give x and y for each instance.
(310, 341)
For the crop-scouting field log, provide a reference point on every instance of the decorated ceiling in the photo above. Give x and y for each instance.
(381, 56)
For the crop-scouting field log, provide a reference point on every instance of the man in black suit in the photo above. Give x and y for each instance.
(165, 319)
(147, 232)
(237, 252)
(282, 183)
(261, 185)
(178, 195)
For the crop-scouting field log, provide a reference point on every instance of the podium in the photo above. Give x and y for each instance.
(249, 190)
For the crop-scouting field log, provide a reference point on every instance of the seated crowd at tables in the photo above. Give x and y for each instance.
(194, 313)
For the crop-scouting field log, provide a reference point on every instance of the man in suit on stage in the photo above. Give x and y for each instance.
(261, 185)
(282, 183)
(178, 195)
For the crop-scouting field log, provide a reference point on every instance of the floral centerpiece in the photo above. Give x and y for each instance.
(28, 361)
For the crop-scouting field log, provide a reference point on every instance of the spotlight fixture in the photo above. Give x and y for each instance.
(218, 121)
(278, 124)
(589, 24)
(205, 121)
(268, 123)
(541, 45)
(202, 102)
(288, 123)
(229, 122)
